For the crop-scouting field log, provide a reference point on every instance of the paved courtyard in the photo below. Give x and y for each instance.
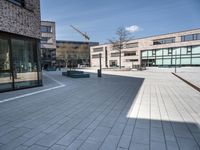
(130, 110)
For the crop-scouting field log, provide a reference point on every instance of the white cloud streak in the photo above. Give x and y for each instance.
(133, 28)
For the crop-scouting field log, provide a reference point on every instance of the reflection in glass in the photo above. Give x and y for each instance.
(24, 63)
(5, 74)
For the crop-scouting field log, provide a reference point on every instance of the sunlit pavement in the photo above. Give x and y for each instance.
(129, 110)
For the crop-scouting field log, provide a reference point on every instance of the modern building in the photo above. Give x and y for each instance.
(77, 51)
(179, 48)
(48, 44)
(19, 44)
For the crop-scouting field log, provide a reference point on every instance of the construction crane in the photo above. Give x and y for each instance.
(87, 38)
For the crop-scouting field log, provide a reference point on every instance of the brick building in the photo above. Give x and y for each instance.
(19, 44)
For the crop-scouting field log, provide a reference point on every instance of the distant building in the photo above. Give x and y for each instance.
(78, 52)
(161, 50)
(19, 44)
(48, 44)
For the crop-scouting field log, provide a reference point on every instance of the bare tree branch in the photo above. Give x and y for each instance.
(122, 37)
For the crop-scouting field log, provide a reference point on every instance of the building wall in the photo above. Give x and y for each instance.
(51, 43)
(143, 44)
(68, 50)
(19, 45)
(48, 47)
(21, 20)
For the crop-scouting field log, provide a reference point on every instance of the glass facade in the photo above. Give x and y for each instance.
(164, 41)
(190, 37)
(19, 65)
(182, 56)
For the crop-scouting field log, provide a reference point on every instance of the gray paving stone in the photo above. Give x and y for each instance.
(114, 112)
(37, 147)
(69, 138)
(110, 142)
(12, 135)
(57, 147)
(124, 142)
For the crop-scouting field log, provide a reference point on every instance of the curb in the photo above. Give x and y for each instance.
(189, 83)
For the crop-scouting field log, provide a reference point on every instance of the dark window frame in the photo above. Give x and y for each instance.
(18, 2)
(48, 29)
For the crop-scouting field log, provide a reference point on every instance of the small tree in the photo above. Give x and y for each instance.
(123, 36)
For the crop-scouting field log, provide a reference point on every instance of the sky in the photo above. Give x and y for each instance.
(101, 18)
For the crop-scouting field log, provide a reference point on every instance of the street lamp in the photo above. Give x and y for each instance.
(99, 70)
(175, 60)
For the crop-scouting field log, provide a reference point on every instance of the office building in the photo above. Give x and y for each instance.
(19, 44)
(48, 44)
(179, 48)
(76, 51)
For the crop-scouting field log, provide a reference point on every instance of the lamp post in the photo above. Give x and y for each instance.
(175, 60)
(99, 70)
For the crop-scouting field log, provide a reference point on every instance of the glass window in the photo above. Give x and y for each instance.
(115, 54)
(164, 41)
(165, 51)
(99, 49)
(96, 56)
(132, 45)
(183, 50)
(150, 53)
(46, 40)
(169, 51)
(176, 51)
(198, 36)
(17, 2)
(144, 53)
(24, 63)
(159, 52)
(131, 53)
(177, 61)
(131, 60)
(186, 61)
(158, 61)
(196, 61)
(46, 29)
(166, 61)
(196, 50)
(190, 37)
(5, 72)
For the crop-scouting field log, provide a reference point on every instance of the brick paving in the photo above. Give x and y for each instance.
(131, 111)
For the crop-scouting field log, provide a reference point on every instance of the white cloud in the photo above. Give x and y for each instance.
(133, 28)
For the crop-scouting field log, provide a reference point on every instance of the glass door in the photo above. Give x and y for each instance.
(6, 81)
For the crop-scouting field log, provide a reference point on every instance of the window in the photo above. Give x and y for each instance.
(17, 2)
(189, 49)
(46, 29)
(190, 37)
(46, 40)
(169, 51)
(164, 41)
(132, 45)
(131, 60)
(132, 53)
(154, 52)
(99, 49)
(96, 56)
(115, 54)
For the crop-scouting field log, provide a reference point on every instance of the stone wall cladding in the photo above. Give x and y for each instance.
(21, 20)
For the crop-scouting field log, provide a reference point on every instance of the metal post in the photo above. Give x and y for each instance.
(99, 70)
(175, 60)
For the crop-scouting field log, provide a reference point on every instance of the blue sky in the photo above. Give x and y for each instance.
(101, 18)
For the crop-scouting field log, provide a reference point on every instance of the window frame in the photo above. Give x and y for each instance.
(18, 2)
